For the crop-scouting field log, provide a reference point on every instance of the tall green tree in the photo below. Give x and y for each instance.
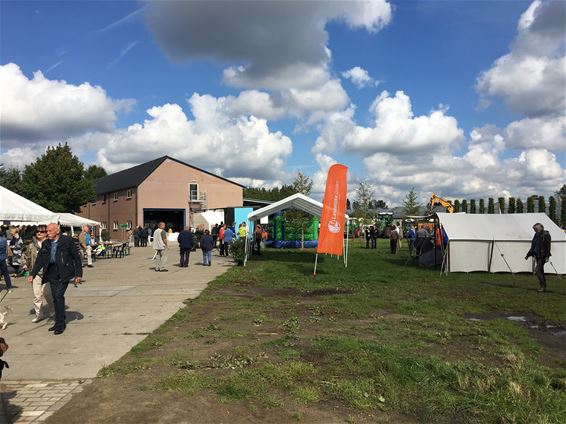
(411, 204)
(482, 206)
(297, 220)
(363, 196)
(93, 173)
(457, 205)
(552, 210)
(531, 204)
(490, 205)
(541, 204)
(302, 184)
(520, 206)
(465, 206)
(501, 204)
(511, 206)
(11, 179)
(473, 206)
(56, 181)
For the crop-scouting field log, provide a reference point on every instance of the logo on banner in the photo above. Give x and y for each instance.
(333, 224)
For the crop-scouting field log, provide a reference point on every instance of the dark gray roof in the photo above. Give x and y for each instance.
(133, 177)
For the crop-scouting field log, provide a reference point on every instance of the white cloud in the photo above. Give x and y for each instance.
(359, 77)
(257, 103)
(242, 147)
(276, 44)
(329, 96)
(548, 132)
(531, 78)
(40, 109)
(396, 129)
(335, 128)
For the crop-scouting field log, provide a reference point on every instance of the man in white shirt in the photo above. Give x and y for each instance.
(160, 246)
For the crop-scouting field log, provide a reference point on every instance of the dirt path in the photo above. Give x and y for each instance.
(120, 302)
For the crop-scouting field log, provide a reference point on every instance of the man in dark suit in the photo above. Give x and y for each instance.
(60, 263)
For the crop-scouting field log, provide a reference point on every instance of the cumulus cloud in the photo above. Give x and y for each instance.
(242, 147)
(397, 130)
(277, 44)
(531, 78)
(479, 173)
(39, 109)
(548, 132)
(359, 77)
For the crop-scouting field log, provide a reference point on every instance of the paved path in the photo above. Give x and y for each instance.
(119, 303)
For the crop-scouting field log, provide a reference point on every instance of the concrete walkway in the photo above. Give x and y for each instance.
(119, 303)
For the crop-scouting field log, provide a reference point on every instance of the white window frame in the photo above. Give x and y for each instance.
(129, 223)
(115, 225)
(129, 193)
(115, 196)
(103, 225)
(196, 198)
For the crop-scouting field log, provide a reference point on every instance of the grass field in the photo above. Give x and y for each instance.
(376, 342)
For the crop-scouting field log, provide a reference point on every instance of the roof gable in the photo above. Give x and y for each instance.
(133, 177)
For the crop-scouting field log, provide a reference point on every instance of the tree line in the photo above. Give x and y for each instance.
(57, 180)
(510, 205)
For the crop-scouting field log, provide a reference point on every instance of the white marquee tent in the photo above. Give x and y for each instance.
(295, 201)
(72, 220)
(499, 243)
(17, 209)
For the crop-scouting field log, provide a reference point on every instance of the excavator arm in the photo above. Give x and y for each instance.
(436, 200)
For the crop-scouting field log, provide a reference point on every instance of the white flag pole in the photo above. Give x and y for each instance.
(315, 263)
(347, 243)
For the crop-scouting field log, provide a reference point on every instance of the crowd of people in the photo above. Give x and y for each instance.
(49, 261)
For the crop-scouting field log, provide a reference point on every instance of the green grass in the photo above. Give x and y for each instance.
(381, 335)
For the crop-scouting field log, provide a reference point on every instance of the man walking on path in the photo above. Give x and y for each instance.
(228, 237)
(206, 244)
(540, 250)
(42, 300)
(160, 247)
(86, 244)
(59, 261)
(186, 242)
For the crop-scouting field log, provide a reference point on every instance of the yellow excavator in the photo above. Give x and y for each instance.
(435, 200)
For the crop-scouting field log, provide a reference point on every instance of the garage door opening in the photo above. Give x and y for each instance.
(173, 218)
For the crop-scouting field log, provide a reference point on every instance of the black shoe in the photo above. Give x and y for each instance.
(59, 331)
(55, 328)
(51, 328)
(163, 270)
(91, 266)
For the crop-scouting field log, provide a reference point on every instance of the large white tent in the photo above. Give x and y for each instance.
(295, 201)
(17, 209)
(72, 220)
(498, 243)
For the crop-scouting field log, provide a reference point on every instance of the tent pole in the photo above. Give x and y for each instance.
(246, 251)
(505, 260)
(555, 270)
(490, 256)
(315, 263)
(347, 243)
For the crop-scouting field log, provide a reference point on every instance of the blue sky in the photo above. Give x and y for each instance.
(433, 51)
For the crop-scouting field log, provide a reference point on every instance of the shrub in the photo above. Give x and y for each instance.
(238, 250)
(105, 235)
